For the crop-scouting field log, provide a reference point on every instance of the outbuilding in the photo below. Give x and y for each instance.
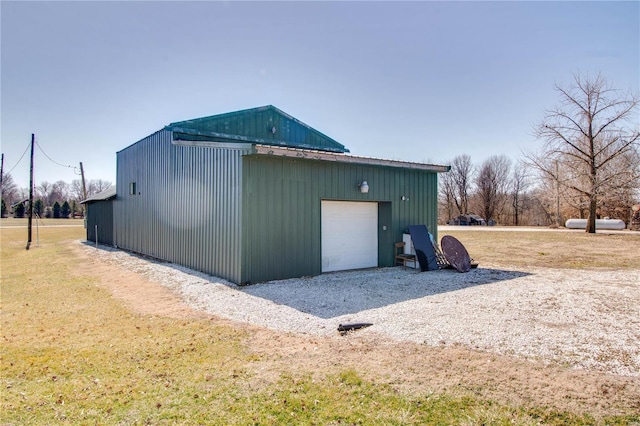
(257, 195)
(99, 216)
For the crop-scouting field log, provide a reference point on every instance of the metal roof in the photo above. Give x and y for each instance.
(345, 158)
(107, 194)
(265, 125)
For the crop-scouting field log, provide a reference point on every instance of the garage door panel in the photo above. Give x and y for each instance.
(349, 235)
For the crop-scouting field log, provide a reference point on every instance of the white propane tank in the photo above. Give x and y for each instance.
(606, 223)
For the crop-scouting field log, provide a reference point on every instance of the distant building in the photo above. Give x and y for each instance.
(468, 220)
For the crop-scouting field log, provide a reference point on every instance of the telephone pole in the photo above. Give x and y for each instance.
(1, 170)
(84, 187)
(33, 139)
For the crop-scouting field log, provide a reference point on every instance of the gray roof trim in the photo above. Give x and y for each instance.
(344, 158)
(212, 144)
(183, 133)
(107, 194)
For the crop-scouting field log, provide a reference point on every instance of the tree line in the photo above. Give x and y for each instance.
(56, 200)
(588, 166)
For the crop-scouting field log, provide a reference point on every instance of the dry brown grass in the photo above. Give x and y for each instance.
(74, 353)
(550, 249)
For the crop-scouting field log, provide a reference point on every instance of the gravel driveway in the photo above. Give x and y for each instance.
(586, 319)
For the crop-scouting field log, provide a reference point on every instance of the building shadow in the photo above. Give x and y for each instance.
(349, 292)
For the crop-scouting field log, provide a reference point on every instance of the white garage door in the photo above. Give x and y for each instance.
(349, 235)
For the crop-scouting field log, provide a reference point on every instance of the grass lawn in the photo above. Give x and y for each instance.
(551, 249)
(72, 354)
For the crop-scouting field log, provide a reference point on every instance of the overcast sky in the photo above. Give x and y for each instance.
(417, 81)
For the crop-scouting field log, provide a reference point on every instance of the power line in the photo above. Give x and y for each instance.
(50, 159)
(16, 165)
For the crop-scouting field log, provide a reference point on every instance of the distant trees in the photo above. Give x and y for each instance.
(591, 143)
(492, 183)
(44, 191)
(519, 185)
(97, 185)
(456, 185)
(38, 207)
(59, 191)
(56, 210)
(65, 210)
(589, 165)
(18, 210)
(496, 190)
(47, 194)
(447, 195)
(52, 192)
(75, 190)
(10, 191)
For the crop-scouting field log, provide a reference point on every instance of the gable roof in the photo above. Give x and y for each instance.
(265, 125)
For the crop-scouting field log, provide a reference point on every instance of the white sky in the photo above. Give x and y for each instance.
(416, 81)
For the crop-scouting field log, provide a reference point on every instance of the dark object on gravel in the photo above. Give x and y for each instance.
(455, 253)
(423, 247)
(343, 328)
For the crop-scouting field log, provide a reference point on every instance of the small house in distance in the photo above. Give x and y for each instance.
(257, 195)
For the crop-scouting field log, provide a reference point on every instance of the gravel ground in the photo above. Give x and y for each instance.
(585, 319)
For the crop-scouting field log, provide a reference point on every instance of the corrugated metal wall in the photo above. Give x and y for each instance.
(100, 214)
(281, 210)
(186, 207)
(251, 218)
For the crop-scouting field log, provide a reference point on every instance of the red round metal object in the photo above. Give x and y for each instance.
(455, 253)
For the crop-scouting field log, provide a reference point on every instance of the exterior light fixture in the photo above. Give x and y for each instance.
(403, 198)
(364, 187)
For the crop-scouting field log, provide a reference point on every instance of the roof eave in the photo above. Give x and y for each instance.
(107, 194)
(310, 154)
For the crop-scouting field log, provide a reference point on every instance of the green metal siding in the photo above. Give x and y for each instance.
(281, 207)
(100, 214)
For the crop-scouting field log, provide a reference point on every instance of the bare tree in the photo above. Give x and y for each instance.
(586, 136)
(9, 189)
(447, 195)
(59, 191)
(75, 190)
(519, 184)
(23, 194)
(541, 206)
(45, 190)
(462, 172)
(618, 199)
(492, 183)
(97, 185)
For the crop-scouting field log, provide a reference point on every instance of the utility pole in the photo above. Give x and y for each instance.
(84, 187)
(1, 170)
(33, 139)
